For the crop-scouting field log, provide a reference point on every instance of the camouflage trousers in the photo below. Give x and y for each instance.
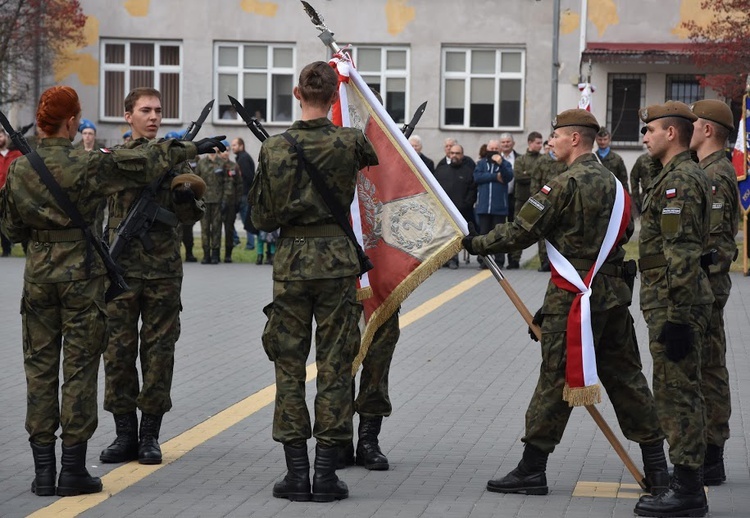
(677, 389)
(157, 303)
(67, 317)
(211, 227)
(287, 340)
(227, 221)
(372, 399)
(618, 364)
(715, 377)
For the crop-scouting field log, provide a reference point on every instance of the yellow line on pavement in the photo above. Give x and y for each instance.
(129, 474)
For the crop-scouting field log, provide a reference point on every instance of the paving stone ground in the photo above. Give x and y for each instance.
(462, 377)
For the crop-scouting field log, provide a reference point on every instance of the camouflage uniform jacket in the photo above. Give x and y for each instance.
(573, 215)
(545, 169)
(87, 178)
(214, 170)
(164, 261)
(614, 163)
(523, 168)
(725, 215)
(283, 196)
(644, 170)
(233, 191)
(675, 222)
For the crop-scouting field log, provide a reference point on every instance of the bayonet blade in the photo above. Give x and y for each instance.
(408, 129)
(326, 36)
(313, 14)
(195, 126)
(252, 123)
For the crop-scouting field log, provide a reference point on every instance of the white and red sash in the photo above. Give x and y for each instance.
(581, 379)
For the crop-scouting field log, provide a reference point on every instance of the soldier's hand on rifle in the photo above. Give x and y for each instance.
(210, 145)
(677, 339)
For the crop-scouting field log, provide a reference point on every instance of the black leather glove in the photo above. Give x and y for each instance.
(678, 340)
(182, 195)
(537, 320)
(466, 241)
(209, 144)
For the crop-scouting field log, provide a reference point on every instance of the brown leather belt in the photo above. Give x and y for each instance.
(652, 261)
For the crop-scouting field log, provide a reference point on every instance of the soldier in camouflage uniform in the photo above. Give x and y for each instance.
(523, 170)
(547, 167)
(63, 308)
(314, 272)
(611, 160)
(230, 204)
(155, 280)
(573, 213)
(676, 300)
(213, 170)
(714, 124)
(644, 169)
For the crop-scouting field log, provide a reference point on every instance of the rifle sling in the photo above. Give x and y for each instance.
(337, 211)
(67, 206)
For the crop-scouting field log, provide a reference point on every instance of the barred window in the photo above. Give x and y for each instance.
(626, 94)
(386, 70)
(685, 88)
(132, 64)
(483, 88)
(260, 76)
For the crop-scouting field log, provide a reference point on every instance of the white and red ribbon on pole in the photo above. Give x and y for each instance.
(587, 93)
(581, 378)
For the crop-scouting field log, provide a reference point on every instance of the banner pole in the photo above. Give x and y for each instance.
(593, 411)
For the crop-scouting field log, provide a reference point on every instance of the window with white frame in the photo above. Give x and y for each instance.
(385, 70)
(483, 88)
(260, 76)
(132, 64)
(685, 88)
(626, 94)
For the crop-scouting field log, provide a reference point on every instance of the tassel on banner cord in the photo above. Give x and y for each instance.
(582, 396)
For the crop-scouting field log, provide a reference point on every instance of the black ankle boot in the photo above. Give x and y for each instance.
(296, 484)
(685, 497)
(655, 467)
(528, 478)
(149, 451)
(346, 456)
(215, 256)
(74, 477)
(228, 254)
(368, 448)
(269, 259)
(125, 446)
(45, 468)
(713, 466)
(259, 259)
(206, 257)
(326, 485)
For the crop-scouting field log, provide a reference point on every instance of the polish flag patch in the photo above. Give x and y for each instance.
(546, 189)
(713, 189)
(105, 150)
(671, 193)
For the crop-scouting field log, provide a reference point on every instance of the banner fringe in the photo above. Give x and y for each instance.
(398, 295)
(582, 396)
(364, 293)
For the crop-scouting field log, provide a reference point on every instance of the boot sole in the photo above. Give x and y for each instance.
(521, 490)
(75, 491)
(328, 497)
(106, 459)
(44, 490)
(691, 513)
(149, 461)
(294, 497)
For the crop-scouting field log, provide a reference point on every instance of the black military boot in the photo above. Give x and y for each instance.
(528, 478)
(368, 448)
(74, 477)
(713, 466)
(125, 446)
(685, 497)
(296, 484)
(45, 468)
(215, 256)
(149, 451)
(206, 257)
(326, 485)
(228, 254)
(269, 259)
(346, 456)
(655, 467)
(259, 259)
(189, 257)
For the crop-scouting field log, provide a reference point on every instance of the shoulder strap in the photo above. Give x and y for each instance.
(118, 284)
(337, 211)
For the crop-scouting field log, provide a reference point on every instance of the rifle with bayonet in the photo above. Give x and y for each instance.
(117, 284)
(146, 210)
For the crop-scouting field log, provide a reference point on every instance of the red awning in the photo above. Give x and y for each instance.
(639, 53)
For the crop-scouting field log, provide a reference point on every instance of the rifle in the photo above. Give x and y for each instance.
(146, 210)
(117, 284)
